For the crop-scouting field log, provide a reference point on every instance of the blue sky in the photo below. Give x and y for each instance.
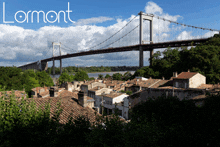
(94, 21)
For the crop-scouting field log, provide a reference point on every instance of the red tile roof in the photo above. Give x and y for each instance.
(185, 75)
(160, 83)
(113, 95)
(96, 88)
(69, 106)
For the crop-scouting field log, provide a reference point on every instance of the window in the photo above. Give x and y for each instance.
(176, 84)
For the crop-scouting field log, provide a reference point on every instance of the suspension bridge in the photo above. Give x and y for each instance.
(144, 33)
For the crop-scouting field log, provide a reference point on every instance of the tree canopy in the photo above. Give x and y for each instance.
(204, 58)
(14, 78)
(81, 76)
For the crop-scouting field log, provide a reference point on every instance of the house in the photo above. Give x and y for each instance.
(85, 100)
(188, 80)
(114, 98)
(113, 83)
(139, 84)
(96, 94)
(40, 92)
(44, 92)
(98, 91)
(71, 86)
(91, 84)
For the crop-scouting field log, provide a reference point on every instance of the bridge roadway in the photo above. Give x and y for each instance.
(146, 47)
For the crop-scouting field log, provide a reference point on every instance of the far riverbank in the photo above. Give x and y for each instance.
(96, 74)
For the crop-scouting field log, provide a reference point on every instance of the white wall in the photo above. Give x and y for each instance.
(119, 98)
(197, 80)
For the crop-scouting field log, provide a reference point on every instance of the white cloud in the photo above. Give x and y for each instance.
(93, 20)
(153, 8)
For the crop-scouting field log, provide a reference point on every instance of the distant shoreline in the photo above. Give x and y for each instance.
(95, 74)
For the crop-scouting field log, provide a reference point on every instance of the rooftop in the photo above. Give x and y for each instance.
(113, 95)
(96, 88)
(69, 106)
(185, 75)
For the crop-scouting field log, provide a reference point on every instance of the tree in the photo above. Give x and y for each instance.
(72, 78)
(44, 79)
(139, 73)
(127, 76)
(64, 77)
(107, 76)
(117, 76)
(81, 75)
(30, 82)
(100, 76)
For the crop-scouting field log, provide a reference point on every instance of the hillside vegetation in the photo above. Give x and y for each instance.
(154, 123)
(12, 78)
(204, 58)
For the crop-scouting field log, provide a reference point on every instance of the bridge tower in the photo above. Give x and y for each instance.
(59, 44)
(141, 41)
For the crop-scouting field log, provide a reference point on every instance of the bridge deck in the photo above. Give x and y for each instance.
(146, 47)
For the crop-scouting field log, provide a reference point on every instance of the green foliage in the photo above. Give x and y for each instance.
(127, 92)
(81, 76)
(146, 72)
(44, 79)
(107, 76)
(204, 58)
(100, 76)
(21, 124)
(117, 76)
(64, 77)
(92, 78)
(14, 78)
(154, 123)
(127, 76)
(73, 69)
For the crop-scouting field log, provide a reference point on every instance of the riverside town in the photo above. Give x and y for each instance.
(122, 74)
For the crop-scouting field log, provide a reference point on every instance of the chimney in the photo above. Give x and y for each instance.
(163, 78)
(84, 81)
(174, 74)
(188, 70)
(82, 99)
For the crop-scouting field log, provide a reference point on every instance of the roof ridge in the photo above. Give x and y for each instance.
(154, 83)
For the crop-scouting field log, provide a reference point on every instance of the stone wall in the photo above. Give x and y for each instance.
(197, 80)
(156, 92)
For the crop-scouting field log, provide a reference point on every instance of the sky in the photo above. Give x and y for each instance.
(81, 25)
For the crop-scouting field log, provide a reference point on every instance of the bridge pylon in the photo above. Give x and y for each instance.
(59, 44)
(141, 41)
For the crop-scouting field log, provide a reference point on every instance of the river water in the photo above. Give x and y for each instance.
(95, 75)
